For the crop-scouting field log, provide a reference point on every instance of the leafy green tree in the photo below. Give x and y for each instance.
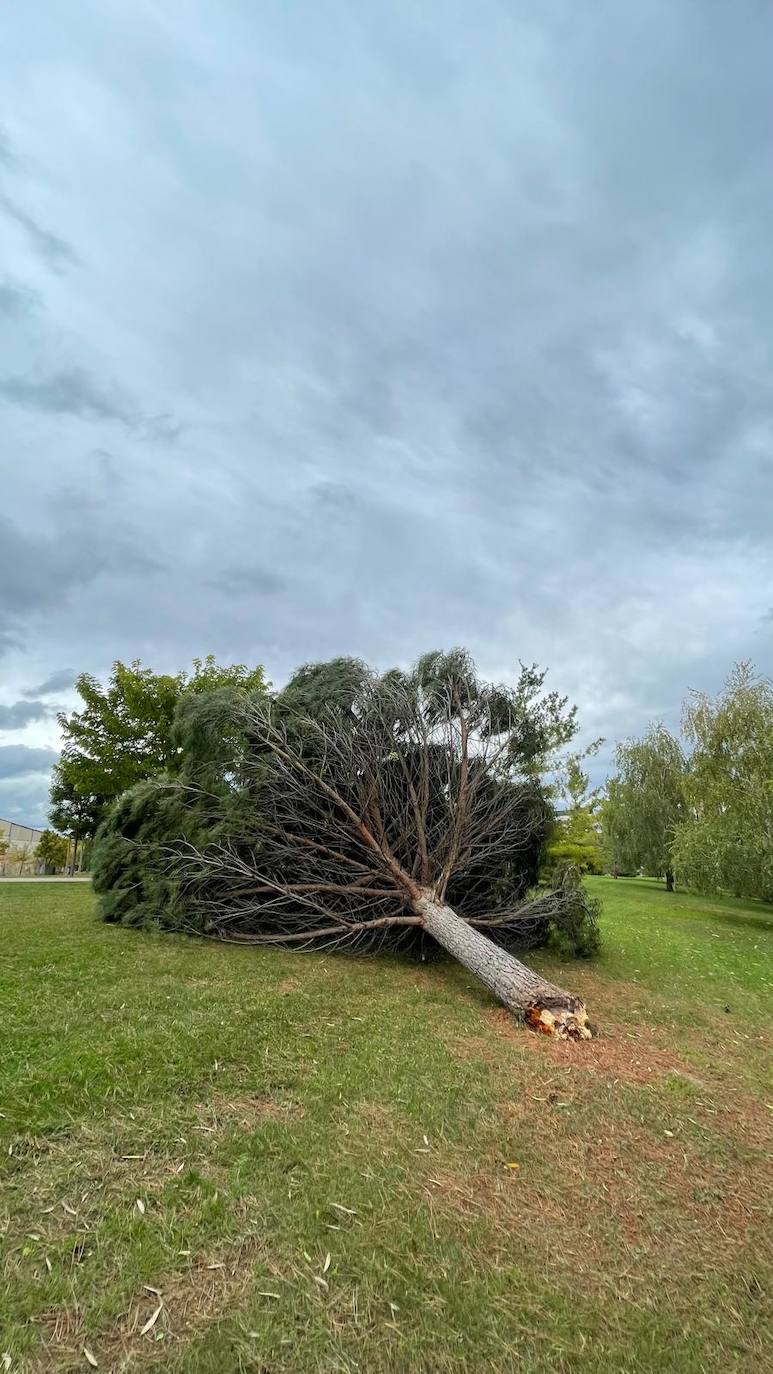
(724, 842)
(52, 850)
(645, 804)
(75, 814)
(576, 841)
(123, 734)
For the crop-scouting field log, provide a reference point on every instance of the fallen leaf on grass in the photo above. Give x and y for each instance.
(90, 1359)
(152, 1319)
(140, 1205)
(326, 1265)
(512, 1166)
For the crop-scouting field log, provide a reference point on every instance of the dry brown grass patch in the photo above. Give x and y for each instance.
(222, 1112)
(600, 1200)
(621, 1054)
(185, 1301)
(68, 1187)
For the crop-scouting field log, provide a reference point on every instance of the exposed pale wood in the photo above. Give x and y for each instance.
(545, 1007)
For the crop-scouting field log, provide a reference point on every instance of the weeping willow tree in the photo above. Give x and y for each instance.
(364, 811)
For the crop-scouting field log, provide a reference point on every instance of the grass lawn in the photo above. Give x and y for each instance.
(216, 1159)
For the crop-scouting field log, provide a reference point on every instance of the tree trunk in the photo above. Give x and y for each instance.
(669, 880)
(543, 1006)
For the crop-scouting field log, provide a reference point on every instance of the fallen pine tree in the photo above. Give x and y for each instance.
(358, 810)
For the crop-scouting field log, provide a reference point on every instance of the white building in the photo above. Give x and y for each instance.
(19, 836)
(21, 841)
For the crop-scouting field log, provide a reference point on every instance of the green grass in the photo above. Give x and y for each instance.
(319, 1148)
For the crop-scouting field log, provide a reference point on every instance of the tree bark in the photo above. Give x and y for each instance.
(543, 1006)
(669, 880)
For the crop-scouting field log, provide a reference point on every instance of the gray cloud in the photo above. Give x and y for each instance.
(250, 581)
(21, 713)
(59, 681)
(41, 572)
(470, 323)
(16, 760)
(16, 300)
(163, 429)
(73, 391)
(6, 156)
(54, 251)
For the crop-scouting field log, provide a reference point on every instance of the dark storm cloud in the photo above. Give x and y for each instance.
(24, 781)
(40, 572)
(17, 760)
(59, 681)
(469, 320)
(25, 800)
(21, 713)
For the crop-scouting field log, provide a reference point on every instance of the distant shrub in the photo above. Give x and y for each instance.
(563, 854)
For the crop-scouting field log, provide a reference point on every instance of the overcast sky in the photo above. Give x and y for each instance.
(377, 327)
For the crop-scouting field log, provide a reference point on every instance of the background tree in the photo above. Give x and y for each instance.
(644, 805)
(16, 857)
(71, 812)
(52, 850)
(123, 734)
(576, 841)
(724, 841)
(404, 809)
